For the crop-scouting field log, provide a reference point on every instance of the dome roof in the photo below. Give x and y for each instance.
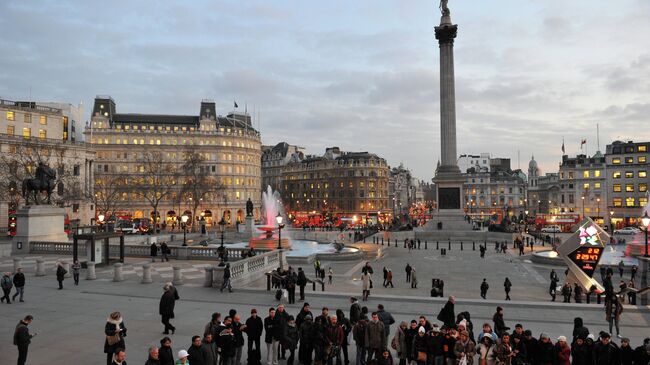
(532, 164)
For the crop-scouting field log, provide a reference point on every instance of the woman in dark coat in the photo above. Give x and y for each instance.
(154, 252)
(166, 308)
(60, 274)
(114, 324)
(447, 315)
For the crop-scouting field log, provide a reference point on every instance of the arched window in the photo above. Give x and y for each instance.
(59, 188)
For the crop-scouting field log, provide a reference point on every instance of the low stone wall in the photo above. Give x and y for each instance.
(249, 269)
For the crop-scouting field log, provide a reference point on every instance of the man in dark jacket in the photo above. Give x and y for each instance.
(226, 279)
(605, 352)
(22, 338)
(209, 349)
(386, 318)
(237, 331)
(300, 318)
(271, 338)
(334, 338)
(484, 288)
(227, 343)
(499, 324)
(164, 251)
(408, 272)
(154, 251)
(60, 274)
(253, 329)
(355, 310)
(19, 284)
(447, 315)
(195, 354)
(302, 282)
(153, 356)
(166, 308)
(532, 347)
(375, 337)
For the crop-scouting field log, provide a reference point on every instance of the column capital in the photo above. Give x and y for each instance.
(445, 34)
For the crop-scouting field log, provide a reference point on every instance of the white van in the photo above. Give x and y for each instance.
(552, 229)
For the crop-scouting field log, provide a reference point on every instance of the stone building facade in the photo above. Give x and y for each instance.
(274, 158)
(337, 185)
(33, 132)
(542, 191)
(627, 181)
(583, 187)
(228, 147)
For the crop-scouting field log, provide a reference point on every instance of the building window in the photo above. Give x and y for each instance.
(43, 119)
(10, 130)
(640, 149)
(616, 175)
(616, 161)
(643, 187)
(629, 174)
(643, 174)
(42, 134)
(76, 170)
(597, 185)
(629, 160)
(570, 174)
(597, 173)
(585, 186)
(11, 115)
(27, 133)
(629, 188)
(629, 201)
(585, 174)
(641, 159)
(643, 201)
(618, 202)
(75, 208)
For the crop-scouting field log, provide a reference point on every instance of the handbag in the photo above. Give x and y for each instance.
(422, 356)
(112, 340)
(463, 361)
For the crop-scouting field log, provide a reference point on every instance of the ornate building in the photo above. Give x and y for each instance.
(337, 185)
(627, 181)
(148, 157)
(543, 190)
(34, 132)
(274, 158)
(583, 187)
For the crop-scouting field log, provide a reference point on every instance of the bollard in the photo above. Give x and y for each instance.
(40, 267)
(364, 239)
(473, 246)
(426, 245)
(117, 272)
(461, 245)
(90, 272)
(146, 274)
(449, 246)
(268, 282)
(17, 261)
(395, 242)
(437, 247)
(178, 276)
(374, 239)
(208, 276)
(382, 241)
(66, 266)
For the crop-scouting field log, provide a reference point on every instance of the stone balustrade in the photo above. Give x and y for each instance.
(248, 269)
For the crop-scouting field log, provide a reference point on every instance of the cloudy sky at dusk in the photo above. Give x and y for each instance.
(361, 75)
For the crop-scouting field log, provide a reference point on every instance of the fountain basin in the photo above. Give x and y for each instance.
(268, 243)
(303, 251)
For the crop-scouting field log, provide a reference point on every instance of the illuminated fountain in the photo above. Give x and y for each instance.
(271, 208)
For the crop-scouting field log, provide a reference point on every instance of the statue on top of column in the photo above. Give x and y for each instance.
(444, 9)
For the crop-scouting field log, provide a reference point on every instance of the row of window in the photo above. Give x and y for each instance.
(481, 202)
(630, 202)
(27, 132)
(169, 142)
(617, 188)
(502, 190)
(629, 160)
(27, 118)
(350, 205)
(629, 174)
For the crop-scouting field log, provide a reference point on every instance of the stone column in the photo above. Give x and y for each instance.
(117, 272)
(90, 273)
(40, 267)
(66, 267)
(178, 276)
(146, 274)
(208, 276)
(17, 263)
(445, 33)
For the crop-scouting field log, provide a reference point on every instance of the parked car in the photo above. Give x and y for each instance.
(627, 230)
(552, 229)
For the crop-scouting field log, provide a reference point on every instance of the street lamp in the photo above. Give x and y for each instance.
(278, 219)
(611, 223)
(646, 221)
(222, 229)
(100, 218)
(583, 207)
(184, 219)
(598, 209)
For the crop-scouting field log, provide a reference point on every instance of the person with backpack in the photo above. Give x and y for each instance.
(6, 283)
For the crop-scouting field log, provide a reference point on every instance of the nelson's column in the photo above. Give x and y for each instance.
(448, 179)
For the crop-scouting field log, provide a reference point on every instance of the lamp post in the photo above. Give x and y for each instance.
(611, 223)
(100, 218)
(598, 209)
(222, 229)
(583, 206)
(646, 221)
(278, 219)
(184, 219)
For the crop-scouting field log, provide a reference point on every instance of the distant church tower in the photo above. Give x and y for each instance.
(533, 174)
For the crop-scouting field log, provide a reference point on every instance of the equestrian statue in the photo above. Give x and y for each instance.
(43, 182)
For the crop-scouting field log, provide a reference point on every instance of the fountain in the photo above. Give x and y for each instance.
(271, 207)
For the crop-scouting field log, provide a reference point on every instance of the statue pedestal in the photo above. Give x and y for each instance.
(248, 230)
(38, 223)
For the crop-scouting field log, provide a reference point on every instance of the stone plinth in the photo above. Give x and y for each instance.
(38, 223)
(249, 228)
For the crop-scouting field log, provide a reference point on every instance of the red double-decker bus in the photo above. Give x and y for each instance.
(564, 220)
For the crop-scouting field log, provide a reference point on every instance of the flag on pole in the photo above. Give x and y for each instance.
(582, 143)
(236, 106)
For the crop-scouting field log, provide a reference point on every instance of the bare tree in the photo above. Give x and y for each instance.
(107, 192)
(199, 186)
(159, 179)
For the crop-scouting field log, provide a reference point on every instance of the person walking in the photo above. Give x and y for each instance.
(346, 325)
(330, 273)
(414, 279)
(19, 284)
(154, 251)
(385, 271)
(552, 290)
(633, 271)
(484, 288)
(7, 284)
(22, 338)
(317, 267)
(164, 251)
(507, 285)
(482, 249)
(290, 283)
(166, 308)
(389, 279)
(226, 279)
(621, 268)
(447, 315)
(60, 274)
(365, 285)
(76, 269)
(115, 331)
(408, 272)
(302, 282)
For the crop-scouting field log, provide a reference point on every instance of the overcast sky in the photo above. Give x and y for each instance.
(361, 75)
